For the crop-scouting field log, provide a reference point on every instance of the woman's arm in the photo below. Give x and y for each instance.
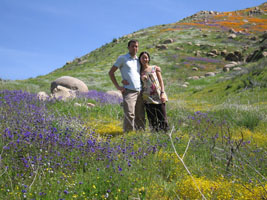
(162, 93)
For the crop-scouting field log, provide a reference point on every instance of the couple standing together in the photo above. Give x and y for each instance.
(143, 89)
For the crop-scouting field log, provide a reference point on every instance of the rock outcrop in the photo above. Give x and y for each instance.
(69, 83)
(67, 87)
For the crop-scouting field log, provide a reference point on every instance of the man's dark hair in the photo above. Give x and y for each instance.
(132, 41)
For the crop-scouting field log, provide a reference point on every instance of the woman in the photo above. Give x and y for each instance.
(153, 93)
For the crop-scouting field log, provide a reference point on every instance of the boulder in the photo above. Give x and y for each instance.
(210, 74)
(256, 55)
(42, 96)
(114, 93)
(70, 83)
(231, 57)
(197, 53)
(178, 48)
(77, 104)
(90, 105)
(237, 69)
(161, 47)
(211, 54)
(195, 69)
(224, 53)
(82, 62)
(254, 38)
(226, 69)
(63, 93)
(232, 31)
(230, 66)
(239, 55)
(215, 51)
(232, 36)
(195, 77)
(168, 41)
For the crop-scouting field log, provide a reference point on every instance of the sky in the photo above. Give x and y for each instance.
(39, 36)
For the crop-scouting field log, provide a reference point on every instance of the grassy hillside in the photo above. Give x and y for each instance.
(202, 32)
(199, 41)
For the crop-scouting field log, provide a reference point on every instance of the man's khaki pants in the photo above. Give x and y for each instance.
(134, 112)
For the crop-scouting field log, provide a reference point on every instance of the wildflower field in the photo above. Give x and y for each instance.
(53, 150)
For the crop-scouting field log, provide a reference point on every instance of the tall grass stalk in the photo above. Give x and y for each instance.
(182, 161)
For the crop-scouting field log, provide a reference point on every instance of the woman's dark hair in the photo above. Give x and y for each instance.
(142, 53)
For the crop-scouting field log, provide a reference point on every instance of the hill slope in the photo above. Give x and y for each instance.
(186, 50)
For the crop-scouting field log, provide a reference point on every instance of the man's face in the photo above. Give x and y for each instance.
(133, 48)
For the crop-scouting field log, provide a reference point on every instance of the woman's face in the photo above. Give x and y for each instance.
(144, 59)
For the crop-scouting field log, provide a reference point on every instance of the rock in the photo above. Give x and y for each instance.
(161, 47)
(234, 63)
(226, 69)
(63, 93)
(70, 83)
(232, 36)
(68, 62)
(190, 43)
(195, 69)
(254, 38)
(184, 85)
(168, 41)
(82, 62)
(232, 31)
(42, 96)
(239, 55)
(195, 77)
(90, 105)
(231, 57)
(209, 74)
(77, 60)
(202, 77)
(215, 51)
(114, 93)
(178, 48)
(237, 69)
(230, 66)
(197, 53)
(77, 104)
(223, 53)
(256, 55)
(211, 55)
(256, 11)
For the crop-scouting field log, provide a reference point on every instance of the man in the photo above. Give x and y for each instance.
(133, 106)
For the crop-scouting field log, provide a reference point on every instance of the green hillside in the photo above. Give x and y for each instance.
(200, 42)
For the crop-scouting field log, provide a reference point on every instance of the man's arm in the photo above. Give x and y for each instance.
(113, 78)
